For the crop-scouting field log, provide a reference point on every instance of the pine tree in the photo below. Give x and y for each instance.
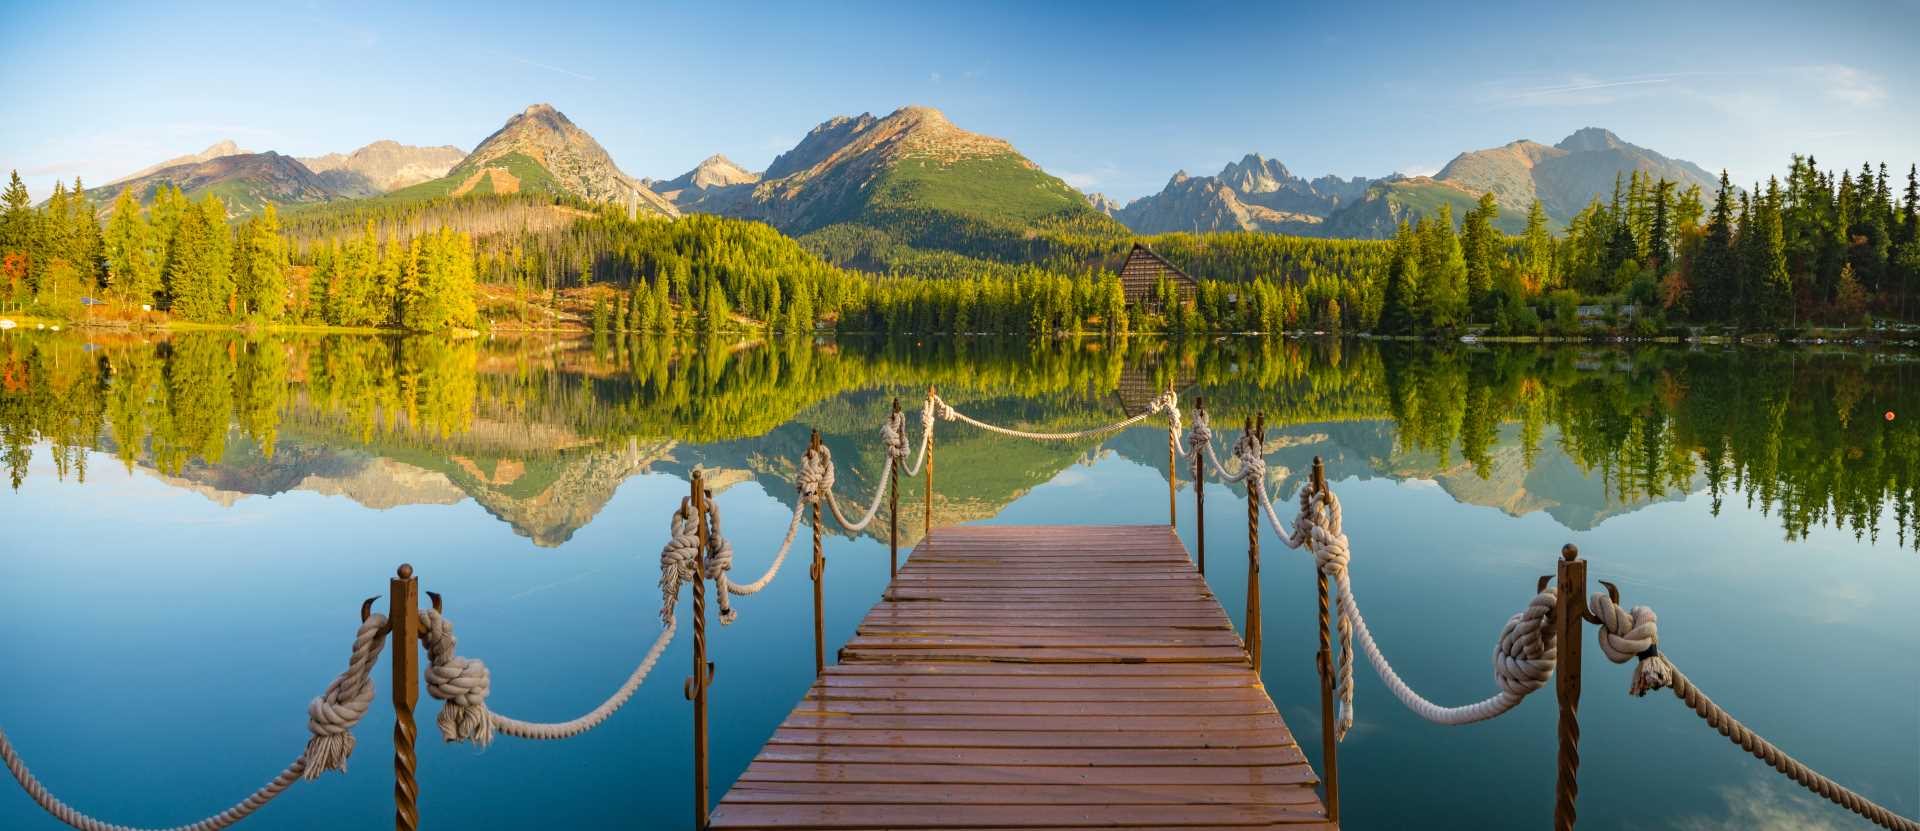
(133, 272)
(1480, 246)
(1660, 229)
(1443, 271)
(19, 240)
(1536, 247)
(192, 288)
(1716, 272)
(1403, 310)
(1767, 263)
(262, 269)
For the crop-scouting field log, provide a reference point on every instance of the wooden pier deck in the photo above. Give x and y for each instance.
(1053, 677)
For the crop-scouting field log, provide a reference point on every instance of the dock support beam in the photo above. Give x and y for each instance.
(702, 677)
(893, 509)
(1329, 744)
(1173, 476)
(1200, 497)
(403, 621)
(1258, 429)
(818, 571)
(1570, 595)
(931, 394)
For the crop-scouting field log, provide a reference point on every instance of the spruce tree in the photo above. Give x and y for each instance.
(263, 270)
(1480, 246)
(132, 271)
(1536, 249)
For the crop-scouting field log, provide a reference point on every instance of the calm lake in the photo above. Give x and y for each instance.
(193, 521)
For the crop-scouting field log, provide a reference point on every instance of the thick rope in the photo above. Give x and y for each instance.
(330, 718)
(1635, 635)
(1523, 656)
(1166, 401)
(1199, 445)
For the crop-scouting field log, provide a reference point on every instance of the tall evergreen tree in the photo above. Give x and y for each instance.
(133, 272)
(1536, 250)
(1480, 245)
(263, 273)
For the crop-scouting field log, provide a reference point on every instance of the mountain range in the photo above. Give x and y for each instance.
(1260, 194)
(916, 178)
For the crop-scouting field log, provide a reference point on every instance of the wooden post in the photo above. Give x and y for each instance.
(818, 571)
(931, 393)
(696, 687)
(1253, 565)
(1200, 498)
(1173, 475)
(403, 621)
(893, 507)
(1570, 595)
(1329, 745)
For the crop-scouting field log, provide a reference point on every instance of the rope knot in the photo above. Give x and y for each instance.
(893, 434)
(332, 716)
(678, 558)
(1253, 460)
(815, 477)
(1199, 441)
(461, 684)
(1524, 657)
(1632, 635)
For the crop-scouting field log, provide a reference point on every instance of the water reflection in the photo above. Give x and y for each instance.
(541, 431)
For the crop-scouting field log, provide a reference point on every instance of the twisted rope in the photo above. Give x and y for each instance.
(1166, 401)
(1199, 444)
(330, 718)
(1635, 635)
(879, 490)
(1523, 656)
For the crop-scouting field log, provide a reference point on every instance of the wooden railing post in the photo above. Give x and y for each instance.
(1253, 562)
(702, 677)
(818, 571)
(1173, 474)
(403, 622)
(893, 506)
(1329, 745)
(1200, 496)
(1570, 595)
(931, 393)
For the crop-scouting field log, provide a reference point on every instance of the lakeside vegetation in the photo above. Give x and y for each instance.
(1818, 249)
(1802, 433)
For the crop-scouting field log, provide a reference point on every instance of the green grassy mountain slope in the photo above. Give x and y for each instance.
(245, 182)
(916, 180)
(539, 151)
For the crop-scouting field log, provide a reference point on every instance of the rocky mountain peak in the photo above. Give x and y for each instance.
(219, 149)
(1589, 139)
(577, 163)
(715, 171)
(1255, 173)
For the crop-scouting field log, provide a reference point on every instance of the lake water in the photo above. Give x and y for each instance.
(193, 523)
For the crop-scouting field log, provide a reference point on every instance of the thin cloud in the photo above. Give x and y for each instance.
(1854, 86)
(551, 68)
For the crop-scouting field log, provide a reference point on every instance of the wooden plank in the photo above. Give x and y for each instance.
(1052, 677)
(772, 771)
(735, 814)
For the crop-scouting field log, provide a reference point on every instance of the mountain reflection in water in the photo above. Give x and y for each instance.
(542, 431)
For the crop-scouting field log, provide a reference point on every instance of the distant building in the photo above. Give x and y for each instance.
(1141, 274)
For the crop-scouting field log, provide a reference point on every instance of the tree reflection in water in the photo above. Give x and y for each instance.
(1811, 436)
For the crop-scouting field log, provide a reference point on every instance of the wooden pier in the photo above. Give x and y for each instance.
(1052, 677)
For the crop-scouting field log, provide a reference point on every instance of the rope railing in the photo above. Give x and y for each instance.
(331, 718)
(1635, 636)
(1536, 645)
(1525, 654)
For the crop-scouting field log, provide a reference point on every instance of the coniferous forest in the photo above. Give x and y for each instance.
(1818, 248)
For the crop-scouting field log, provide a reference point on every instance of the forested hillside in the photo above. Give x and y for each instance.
(1819, 248)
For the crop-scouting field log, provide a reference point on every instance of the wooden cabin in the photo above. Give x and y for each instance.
(1141, 274)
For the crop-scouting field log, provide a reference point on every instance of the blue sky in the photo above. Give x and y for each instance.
(1112, 96)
